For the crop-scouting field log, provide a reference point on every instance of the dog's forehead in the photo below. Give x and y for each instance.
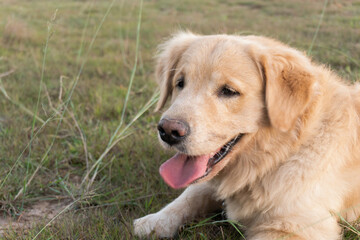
(218, 58)
(213, 50)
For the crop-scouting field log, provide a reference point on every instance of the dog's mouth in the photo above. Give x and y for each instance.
(181, 170)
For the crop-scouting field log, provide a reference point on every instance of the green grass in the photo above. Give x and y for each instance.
(66, 152)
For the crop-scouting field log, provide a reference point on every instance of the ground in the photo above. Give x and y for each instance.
(65, 71)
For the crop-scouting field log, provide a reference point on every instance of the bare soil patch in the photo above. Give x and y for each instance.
(41, 211)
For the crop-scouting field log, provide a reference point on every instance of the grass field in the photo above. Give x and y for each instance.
(65, 71)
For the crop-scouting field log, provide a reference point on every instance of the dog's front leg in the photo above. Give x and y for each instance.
(195, 200)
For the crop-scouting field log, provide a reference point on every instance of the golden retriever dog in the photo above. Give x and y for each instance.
(260, 129)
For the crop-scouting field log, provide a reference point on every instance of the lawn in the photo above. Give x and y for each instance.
(79, 149)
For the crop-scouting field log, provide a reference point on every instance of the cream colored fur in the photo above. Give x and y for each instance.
(298, 166)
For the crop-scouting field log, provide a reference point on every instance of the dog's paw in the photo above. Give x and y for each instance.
(158, 224)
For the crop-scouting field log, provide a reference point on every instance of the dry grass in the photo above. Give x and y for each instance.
(16, 31)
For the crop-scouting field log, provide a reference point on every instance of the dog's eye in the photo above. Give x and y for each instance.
(226, 91)
(180, 83)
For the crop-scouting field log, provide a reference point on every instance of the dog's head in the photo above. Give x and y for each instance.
(223, 89)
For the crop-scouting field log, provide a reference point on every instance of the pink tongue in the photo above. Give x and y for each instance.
(181, 170)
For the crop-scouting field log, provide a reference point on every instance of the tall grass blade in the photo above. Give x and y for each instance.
(132, 74)
(318, 27)
(49, 34)
(66, 103)
(115, 138)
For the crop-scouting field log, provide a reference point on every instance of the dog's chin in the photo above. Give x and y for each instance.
(184, 169)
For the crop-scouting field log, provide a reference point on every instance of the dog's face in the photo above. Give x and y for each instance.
(219, 99)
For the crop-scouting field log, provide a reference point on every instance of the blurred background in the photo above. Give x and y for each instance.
(79, 152)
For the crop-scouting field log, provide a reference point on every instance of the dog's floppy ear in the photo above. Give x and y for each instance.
(289, 85)
(169, 55)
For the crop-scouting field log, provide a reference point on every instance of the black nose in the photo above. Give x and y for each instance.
(173, 131)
